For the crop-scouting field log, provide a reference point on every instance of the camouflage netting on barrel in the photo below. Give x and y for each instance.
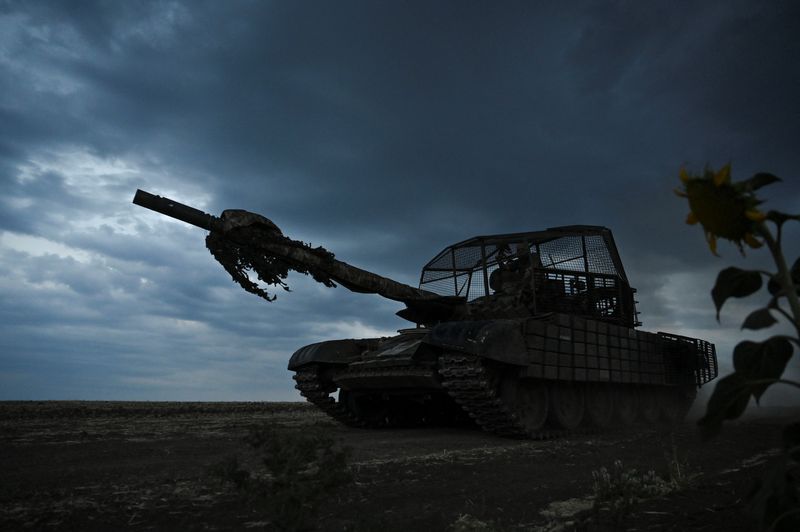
(248, 242)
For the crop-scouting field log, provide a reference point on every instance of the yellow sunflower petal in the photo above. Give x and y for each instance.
(755, 215)
(723, 175)
(684, 175)
(691, 218)
(752, 241)
(712, 243)
(680, 193)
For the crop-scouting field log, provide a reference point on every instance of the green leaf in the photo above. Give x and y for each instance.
(762, 360)
(734, 282)
(759, 319)
(728, 401)
(759, 180)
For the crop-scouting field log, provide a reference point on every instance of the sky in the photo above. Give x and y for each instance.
(383, 131)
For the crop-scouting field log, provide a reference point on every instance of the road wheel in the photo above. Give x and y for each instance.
(526, 400)
(566, 404)
(624, 405)
(599, 405)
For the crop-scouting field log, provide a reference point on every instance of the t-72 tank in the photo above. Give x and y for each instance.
(529, 334)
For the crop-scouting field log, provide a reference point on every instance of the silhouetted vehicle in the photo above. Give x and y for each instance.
(529, 334)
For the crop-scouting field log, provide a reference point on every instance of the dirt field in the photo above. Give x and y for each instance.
(147, 466)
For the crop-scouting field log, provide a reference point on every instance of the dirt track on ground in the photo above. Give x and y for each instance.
(145, 466)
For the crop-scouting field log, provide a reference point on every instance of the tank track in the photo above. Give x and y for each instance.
(314, 389)
(468, 380)
(470, 383)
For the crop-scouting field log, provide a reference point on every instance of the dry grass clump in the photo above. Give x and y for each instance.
(297, 471)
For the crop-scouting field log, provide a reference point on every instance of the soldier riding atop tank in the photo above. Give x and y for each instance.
(513, 274)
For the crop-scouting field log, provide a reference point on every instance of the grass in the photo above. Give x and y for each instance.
(470, 523)
(617, 490)
(297, 470)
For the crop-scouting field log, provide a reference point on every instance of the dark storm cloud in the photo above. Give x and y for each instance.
(382, 131)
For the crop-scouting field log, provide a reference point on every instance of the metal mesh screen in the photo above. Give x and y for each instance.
(562, 254)
(598, 256)
(461, 274)
(460, 270)
(449, 285)
(464, 259)
(477, 289)
(442, 262)
(567, 253)
(690, 356)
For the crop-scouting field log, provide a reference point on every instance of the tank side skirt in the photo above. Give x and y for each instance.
(573, 348)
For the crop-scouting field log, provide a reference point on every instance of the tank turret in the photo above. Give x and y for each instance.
(528, 334)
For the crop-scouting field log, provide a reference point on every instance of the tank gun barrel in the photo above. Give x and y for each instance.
(176, 210)
(245, 242)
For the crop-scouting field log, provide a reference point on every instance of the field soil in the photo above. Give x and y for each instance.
(151, 466)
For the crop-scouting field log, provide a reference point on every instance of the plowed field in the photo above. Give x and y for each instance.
(146, 466)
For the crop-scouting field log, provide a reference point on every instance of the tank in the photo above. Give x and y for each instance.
(531, 335)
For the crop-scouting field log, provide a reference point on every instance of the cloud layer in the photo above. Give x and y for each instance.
(383, 131)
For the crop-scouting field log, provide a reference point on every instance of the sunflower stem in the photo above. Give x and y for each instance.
(785, 314)
(784, 275)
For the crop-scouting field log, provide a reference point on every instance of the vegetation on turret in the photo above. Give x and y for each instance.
(247, 248)
(246, 243)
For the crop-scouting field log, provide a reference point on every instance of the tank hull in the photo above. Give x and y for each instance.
(531, 377)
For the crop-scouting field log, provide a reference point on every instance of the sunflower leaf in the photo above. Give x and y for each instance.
(759, 319)
(759, 180)
(728, 401)
(734, 282)
(762, 360)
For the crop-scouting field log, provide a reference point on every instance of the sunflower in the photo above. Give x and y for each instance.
(724, 208)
